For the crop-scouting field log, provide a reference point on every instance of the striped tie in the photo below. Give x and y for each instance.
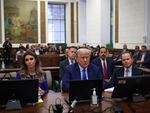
(126, 73)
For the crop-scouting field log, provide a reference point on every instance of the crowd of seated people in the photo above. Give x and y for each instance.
(81, 63)
(99, 56)
(143, 60)
(128, 58)
(78, 65)
(60, 50)
(39, 49)
(104, 64)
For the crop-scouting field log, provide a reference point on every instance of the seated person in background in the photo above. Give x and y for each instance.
(136, 53)
(118, 58)
(106, 66)
(30, 69)
(125, 48)
(65, 55)
(20, 52)
(81, 70)
(128, 69)
(70, 59)
(144, 58)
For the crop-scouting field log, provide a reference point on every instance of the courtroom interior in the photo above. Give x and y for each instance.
(50, 44)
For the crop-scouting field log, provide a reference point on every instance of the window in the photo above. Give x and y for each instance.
(56, 23)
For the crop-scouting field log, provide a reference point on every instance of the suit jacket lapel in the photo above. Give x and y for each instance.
(100, 64)
(134, 71)
(77, 71)
(90, 73)
(122, 72)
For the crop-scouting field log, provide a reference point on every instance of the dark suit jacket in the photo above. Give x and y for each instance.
(119, 72)
(110, 65)
(72, 72)
(110, 69)
(136, 56)
(62, 66)
(135, 71)
(146, 62)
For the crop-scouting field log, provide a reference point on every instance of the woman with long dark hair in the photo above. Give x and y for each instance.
(30, 69)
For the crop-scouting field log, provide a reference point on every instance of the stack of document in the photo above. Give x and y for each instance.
(109, 89)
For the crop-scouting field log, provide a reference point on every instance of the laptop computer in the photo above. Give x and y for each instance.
(82, 90)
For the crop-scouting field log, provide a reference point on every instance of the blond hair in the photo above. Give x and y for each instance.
(83, 51)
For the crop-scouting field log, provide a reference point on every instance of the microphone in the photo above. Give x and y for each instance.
(72, 106)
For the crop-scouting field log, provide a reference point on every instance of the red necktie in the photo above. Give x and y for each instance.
(104, 70)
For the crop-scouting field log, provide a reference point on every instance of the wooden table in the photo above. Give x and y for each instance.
(106, 104)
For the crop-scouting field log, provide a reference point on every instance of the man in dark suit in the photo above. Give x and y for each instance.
(81, 70)
(71, 55)
(106, 65)
(128, 69)
(144, 59)
(136, 54)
